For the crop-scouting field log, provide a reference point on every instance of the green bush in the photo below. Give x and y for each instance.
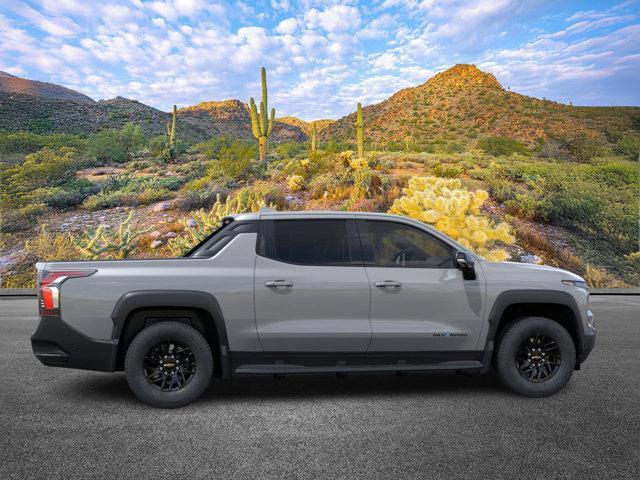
(234, 159)
(289, 150)
(28, 142)
(116, 145)
(498, 146)
(43, 169)
(581, 146)
(629, 146)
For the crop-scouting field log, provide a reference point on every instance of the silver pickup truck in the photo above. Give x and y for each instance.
(281, 293)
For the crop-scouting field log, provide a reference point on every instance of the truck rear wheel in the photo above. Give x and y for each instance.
(536, 357)
(168, 365)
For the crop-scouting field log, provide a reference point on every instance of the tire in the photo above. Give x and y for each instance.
(157, 378)
(536, 357)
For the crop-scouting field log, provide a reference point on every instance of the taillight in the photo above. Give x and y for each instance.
(50, 290)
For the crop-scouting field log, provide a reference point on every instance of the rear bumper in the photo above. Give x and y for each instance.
(56, 344)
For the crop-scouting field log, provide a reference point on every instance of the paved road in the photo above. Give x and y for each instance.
(57, 423)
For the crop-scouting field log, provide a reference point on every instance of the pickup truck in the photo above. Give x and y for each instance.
(279, 293)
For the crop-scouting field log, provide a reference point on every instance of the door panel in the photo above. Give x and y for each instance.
(325, 308)
(433, 309)
(311, 289)
(419, 301)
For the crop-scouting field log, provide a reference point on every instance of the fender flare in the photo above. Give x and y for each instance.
(132, 301)
(511, 297)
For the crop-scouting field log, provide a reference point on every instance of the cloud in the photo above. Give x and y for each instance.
(287, 26)
(335, 19)
(322, 56)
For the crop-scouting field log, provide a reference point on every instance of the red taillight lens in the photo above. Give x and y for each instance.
(50, 290)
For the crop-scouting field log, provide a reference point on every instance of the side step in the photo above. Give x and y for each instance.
(287, 369)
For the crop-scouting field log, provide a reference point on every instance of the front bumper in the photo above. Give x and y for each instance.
(587, 337)
(56, 344)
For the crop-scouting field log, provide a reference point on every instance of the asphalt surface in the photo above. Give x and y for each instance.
(58, 423)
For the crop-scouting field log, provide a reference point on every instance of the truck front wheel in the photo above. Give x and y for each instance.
(535, 357)
(168, 364)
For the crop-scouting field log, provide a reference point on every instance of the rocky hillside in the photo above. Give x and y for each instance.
(195, 124)
(20, 111)
(305, 126)
(232, 117)
(12, 85)
(463, 103)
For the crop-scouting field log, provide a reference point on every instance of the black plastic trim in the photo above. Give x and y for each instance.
(57, 344)
(511, 297)
(136, 300)
(323, 362)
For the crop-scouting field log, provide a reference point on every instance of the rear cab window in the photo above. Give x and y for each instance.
(316, 242)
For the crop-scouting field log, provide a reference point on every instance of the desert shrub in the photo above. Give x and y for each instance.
(193, 200)
(68, 195)
(455, 211)
(233, 160)
(202, 222)
(104, 242)
(211, 148)
(629, 146)
(110, 200)
(295, 182)
(523, 206)
(447, 170)
(126, 198)
(157, 145)
(45, 168)
(581, 146)
(289, 150)
(28, 142)
(42, 247)
(116, 145)
(498, 146)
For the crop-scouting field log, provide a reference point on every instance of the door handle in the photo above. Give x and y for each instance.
(388, 283)
(278, 283)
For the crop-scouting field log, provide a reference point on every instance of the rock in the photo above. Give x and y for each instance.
(162, 206)
(170, 235)
(191, 223)
(156, 243)
(155, 234)
(288, 198)
(531, 258)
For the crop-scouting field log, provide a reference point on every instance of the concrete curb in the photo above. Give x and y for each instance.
(18, 292)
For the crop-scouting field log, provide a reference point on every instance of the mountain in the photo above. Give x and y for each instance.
(305, 126)
(16, 85)
(232, 117)
(48, 108)
(464, 103)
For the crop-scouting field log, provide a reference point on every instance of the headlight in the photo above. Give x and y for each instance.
(576, 283)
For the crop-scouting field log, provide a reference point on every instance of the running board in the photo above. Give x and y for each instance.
(285, 369)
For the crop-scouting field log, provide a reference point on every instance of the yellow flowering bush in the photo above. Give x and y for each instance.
(295, 182)
(455, 211)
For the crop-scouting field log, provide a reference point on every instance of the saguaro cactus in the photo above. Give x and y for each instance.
(260, 124)
(314, 138)
(171, 136)
(360, 132)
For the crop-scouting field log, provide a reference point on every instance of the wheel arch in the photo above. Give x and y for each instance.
(556, 305)
(200, 308)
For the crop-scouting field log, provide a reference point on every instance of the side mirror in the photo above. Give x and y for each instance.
(466, 266)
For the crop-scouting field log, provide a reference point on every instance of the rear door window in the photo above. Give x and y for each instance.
(310, 242)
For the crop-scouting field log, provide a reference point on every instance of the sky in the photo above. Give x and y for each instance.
(322, 57)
